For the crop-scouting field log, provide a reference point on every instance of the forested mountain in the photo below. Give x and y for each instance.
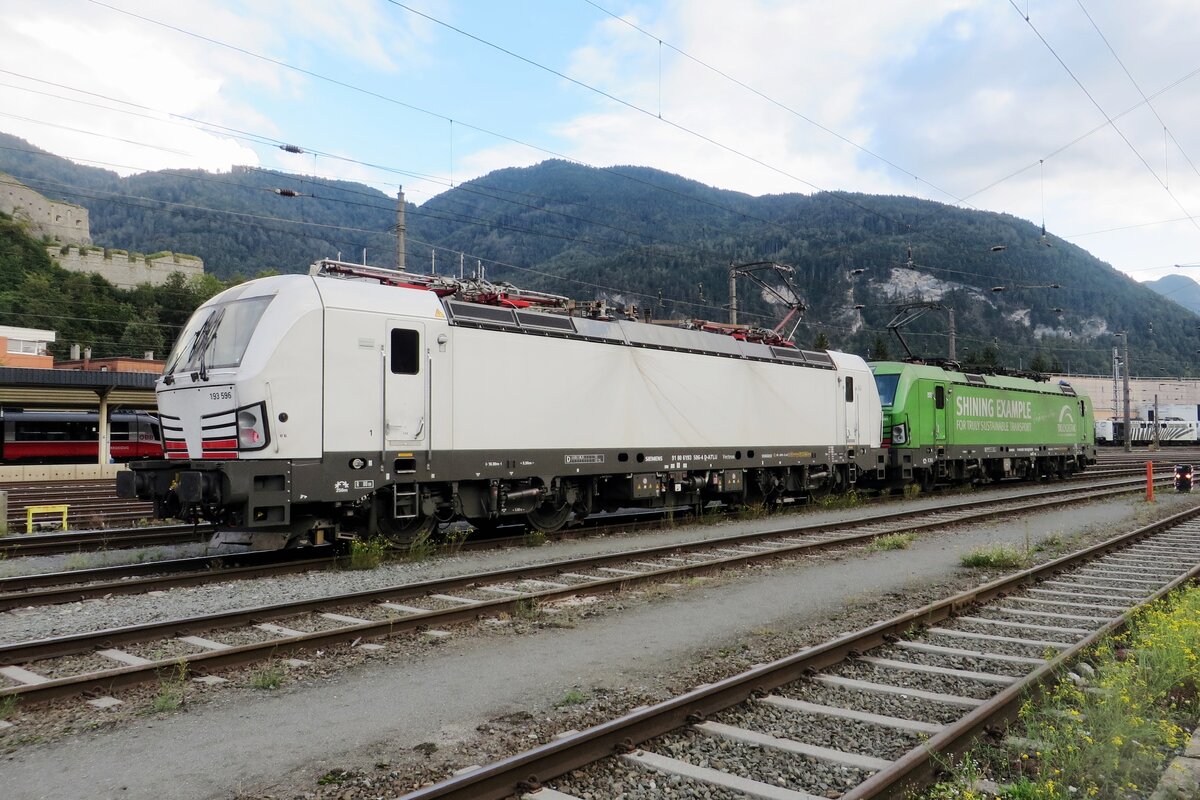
(644, 237)
(1180, 289)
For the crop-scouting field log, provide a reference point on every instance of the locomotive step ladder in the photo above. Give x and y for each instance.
(405, 501)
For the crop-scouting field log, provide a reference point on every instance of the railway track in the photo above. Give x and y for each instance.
(871, 714)
(44, 544)
(94, 504)
(76, 585)
(67, 665)
(114, 538)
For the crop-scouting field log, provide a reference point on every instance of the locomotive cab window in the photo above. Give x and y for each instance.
(939, 397)
(406, 353)
(849, 389)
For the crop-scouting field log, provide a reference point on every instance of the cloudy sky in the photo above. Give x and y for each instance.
(1081, 112)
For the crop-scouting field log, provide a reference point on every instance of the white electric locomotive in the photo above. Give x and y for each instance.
(354, 400)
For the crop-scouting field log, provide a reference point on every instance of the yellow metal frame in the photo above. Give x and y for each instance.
(31, 510)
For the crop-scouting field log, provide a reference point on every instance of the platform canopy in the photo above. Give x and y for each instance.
(48, 388)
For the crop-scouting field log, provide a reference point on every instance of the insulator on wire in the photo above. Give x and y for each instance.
(286, 192)
(290, 148)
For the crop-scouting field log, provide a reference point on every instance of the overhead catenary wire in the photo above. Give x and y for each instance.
(764, 96)
(1106, 116)
(1145, 99)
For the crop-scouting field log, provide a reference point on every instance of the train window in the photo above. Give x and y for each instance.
(849, 389)
(406, 355)
(939, 397)
(119, 432)
(887, 388)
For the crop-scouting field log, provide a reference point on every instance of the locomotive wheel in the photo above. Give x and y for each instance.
(400, 532)
(548, 518)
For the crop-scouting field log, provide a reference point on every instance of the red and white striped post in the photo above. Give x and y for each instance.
(1149, 481)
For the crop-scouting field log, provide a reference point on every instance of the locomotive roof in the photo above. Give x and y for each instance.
(369, 295)
(968, 378)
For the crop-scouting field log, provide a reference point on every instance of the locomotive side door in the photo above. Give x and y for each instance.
(851, 410)
(939, 412)
(405, 384)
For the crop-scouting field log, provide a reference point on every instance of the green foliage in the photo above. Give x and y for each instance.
(1110, 738)
(367, 553)
(422, 547)
(334, 777)
(891, 541)
(269, 677)
(997, 556)
(171, 689)
(572, 697)
(8, 706)
(87, 309)
(533, 538)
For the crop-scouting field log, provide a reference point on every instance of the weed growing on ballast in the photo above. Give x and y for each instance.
(367, 553)
(526, 608)
(269, 677)
(8, 706)
(850, 499)
(172, 687)
(912, 491)
(534, 538)
(422, 547)
(892, 541)
(455, 538)
(997, 556)
(1052, 543)
(572, 697)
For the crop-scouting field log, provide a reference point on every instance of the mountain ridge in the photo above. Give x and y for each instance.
(639, 236)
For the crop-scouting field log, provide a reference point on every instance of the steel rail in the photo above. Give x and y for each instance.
(77, 585)
(22, 652)
(73, 586)
(529, 770)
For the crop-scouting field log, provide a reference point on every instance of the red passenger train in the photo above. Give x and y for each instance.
(64, 437)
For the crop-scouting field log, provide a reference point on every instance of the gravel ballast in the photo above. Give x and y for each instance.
(455, 701)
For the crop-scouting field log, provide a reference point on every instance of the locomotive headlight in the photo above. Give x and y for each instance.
(252, 427)
(900, 433)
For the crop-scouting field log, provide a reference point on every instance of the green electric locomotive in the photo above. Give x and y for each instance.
(944, 426)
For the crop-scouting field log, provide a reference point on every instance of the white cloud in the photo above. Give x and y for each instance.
(95, 49)
(960, 93)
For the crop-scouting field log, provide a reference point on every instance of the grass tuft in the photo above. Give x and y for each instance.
(891, 541)
(534, 538)
(8, 706)
(997, 556)
(422, 548)
(172, 688)
(269, 677)
(367, 553)
(572, 697)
